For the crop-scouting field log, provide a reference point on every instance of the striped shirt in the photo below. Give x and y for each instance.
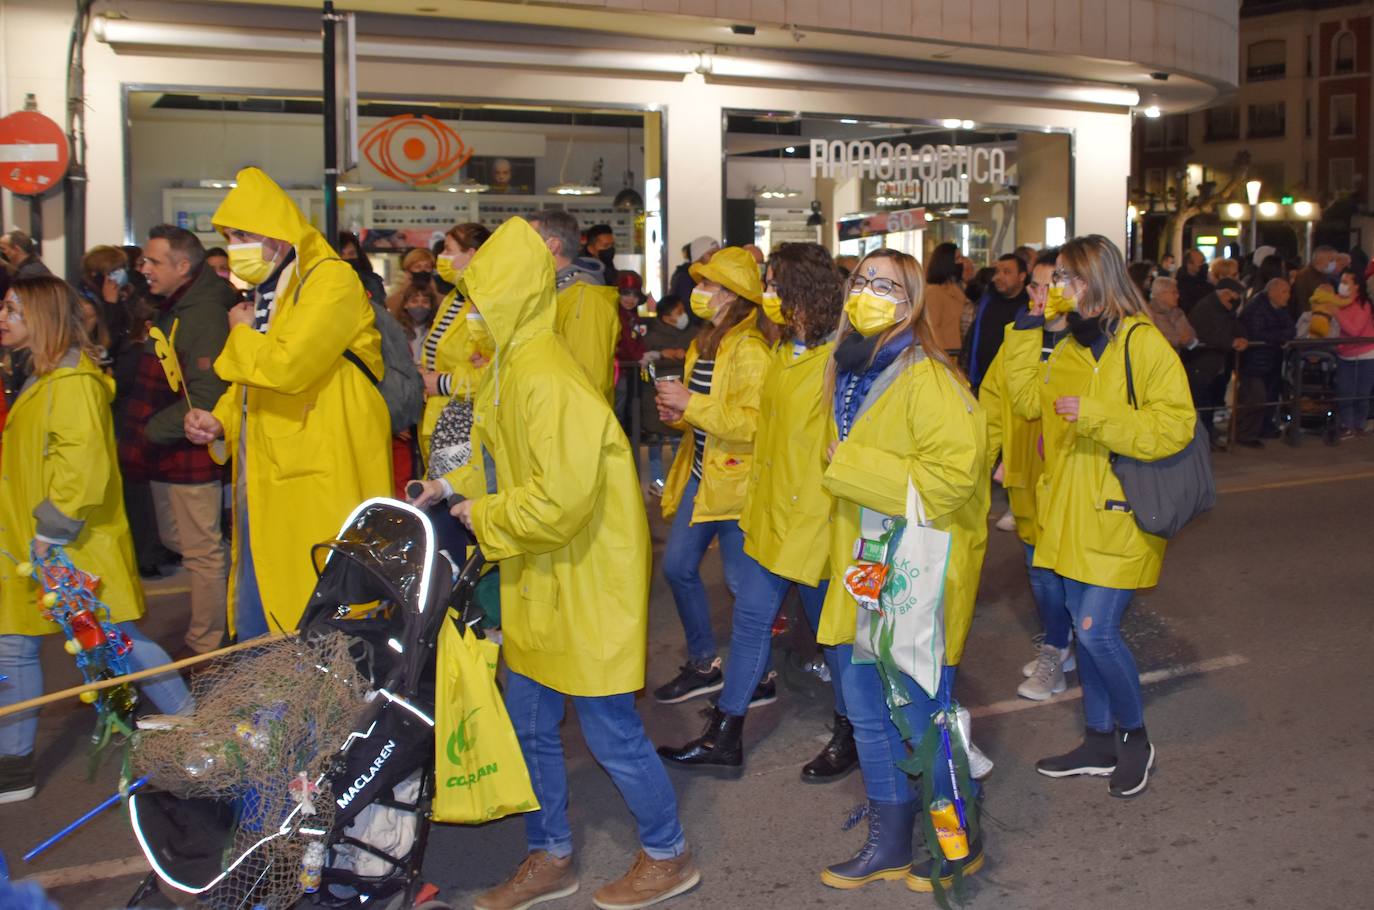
(700, 383)
(436, 333)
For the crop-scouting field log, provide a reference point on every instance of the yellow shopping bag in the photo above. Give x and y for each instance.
(479, 773)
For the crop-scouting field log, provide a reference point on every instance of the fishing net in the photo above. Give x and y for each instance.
(267, 725)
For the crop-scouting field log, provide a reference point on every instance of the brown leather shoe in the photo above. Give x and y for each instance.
(541, 877)
(648, 882)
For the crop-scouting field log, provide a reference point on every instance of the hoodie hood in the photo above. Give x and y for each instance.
(510, 281)
(257, 205)
(583, 269)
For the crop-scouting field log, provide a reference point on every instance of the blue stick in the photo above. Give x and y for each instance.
(113, 800)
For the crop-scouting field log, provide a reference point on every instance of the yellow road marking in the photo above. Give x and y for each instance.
(1297, 482)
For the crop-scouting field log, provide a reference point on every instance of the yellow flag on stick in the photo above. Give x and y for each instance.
(165, 349)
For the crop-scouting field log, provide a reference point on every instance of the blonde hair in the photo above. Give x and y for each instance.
(1110, 292)
(917, 322)
(1223, 268)
(52, 312)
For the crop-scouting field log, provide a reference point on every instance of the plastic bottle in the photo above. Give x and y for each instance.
(312, 867)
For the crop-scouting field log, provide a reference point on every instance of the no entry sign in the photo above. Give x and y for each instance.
(33, 153)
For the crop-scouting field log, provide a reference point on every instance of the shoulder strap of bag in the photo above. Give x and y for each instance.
(348, 354)
(1130, 379)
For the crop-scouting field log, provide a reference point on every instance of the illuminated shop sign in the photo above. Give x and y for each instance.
(931, 174)
(883, 223)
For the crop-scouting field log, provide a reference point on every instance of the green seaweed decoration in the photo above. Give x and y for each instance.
(927, 758)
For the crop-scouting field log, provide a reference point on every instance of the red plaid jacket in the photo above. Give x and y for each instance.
(142, 460)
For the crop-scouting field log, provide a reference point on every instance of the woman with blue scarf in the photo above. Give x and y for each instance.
(902, 415)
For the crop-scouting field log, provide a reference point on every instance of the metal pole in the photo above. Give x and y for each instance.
(1307, 256)
(36, 222)
(1254, 228)
(331, 130)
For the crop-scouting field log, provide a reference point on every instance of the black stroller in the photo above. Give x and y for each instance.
(351, 831)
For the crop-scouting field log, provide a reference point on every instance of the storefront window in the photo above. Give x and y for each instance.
(907, 186)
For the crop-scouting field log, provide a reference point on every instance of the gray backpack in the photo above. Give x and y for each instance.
(1166, 494)
(401, 386)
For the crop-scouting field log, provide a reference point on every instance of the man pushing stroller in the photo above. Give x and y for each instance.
(564, 518)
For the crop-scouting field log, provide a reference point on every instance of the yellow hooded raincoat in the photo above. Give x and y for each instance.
(58, 449)
(567, 519)
(315, 432)
(1016, 441)
(452, 355)
(1086, 531)
(588, 319)
(786, 513)
(928, 429)
(730, 417)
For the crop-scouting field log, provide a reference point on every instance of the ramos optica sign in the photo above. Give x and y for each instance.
(33, 153)
(930, 175)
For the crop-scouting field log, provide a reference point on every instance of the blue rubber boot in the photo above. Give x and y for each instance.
(886, 855)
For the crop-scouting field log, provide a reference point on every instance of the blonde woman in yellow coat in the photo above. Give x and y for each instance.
(1087, 533)
(902, 416)
(786, 512)
(704, 492)
(446, 367)
(60, 486)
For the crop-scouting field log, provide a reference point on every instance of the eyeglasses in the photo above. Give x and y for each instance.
(1064, 276)
(883, 286)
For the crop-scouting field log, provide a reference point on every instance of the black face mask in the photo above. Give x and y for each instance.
(1085, 331)
(607, 255)
(421, 279)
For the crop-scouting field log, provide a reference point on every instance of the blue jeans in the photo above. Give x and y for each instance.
(1111, 682)
(1047, 588)
(250, 619)
(1354, 384)
(656, 456)
(751, 637)
(615, 735)
(879, 744)
(687, 544)
(19, 661)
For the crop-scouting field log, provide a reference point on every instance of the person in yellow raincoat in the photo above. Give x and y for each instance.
(588, 315)
(564, 518)
(902, 416)
(1015, 441)
(704, 493)
(60, 487)
(302, 419)
(785, 517)
(1087, 533)
(446, 361)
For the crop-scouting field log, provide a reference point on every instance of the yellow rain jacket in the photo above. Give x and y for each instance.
(567, 520)
(588, 319)
(1016, 441)
(452, 355)
(928, 429)
(786, 514)
(58, 452)
(1086, 531)
(730, 417)
(315, 431)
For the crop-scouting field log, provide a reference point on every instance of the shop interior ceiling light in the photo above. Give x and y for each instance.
(354, 188)
(563, 187)
(469, 186)
(218, 183)
(628, 199)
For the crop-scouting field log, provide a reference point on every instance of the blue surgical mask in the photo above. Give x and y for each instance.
(119, 276)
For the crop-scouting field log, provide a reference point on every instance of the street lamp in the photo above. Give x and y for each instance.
(1252, 193)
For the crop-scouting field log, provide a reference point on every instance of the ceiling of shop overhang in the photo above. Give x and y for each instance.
(1178, 93)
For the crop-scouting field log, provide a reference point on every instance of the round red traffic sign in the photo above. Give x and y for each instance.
(33, 153)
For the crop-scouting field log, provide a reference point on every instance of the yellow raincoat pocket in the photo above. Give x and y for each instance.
(479, 773)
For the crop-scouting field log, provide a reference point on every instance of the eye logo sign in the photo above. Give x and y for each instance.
(463, 738)
(415, 149)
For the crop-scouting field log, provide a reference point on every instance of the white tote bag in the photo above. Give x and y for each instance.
(911, 607)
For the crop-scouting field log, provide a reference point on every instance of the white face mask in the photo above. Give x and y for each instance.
(681, 322)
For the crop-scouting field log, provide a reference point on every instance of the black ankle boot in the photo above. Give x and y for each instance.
(886, 855)
(1095, 756)
(719, 745)
(1135, 756)
(838, 758)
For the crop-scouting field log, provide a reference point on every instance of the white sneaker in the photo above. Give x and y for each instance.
(979, 765)
(1047, 678)
(1067, 661)
(1007, 522)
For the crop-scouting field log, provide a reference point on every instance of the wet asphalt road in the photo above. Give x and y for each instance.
(1264, 726)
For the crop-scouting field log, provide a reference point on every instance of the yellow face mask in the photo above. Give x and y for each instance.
(772, 307)
(446, 269)
(869, 313)
(480, 333)
(1059, 302)
(245, 261)
(701, 304)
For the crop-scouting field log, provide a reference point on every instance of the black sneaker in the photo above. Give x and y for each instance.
(1096, 756)
(16, 778)
(1135, 756)
(693, 680)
